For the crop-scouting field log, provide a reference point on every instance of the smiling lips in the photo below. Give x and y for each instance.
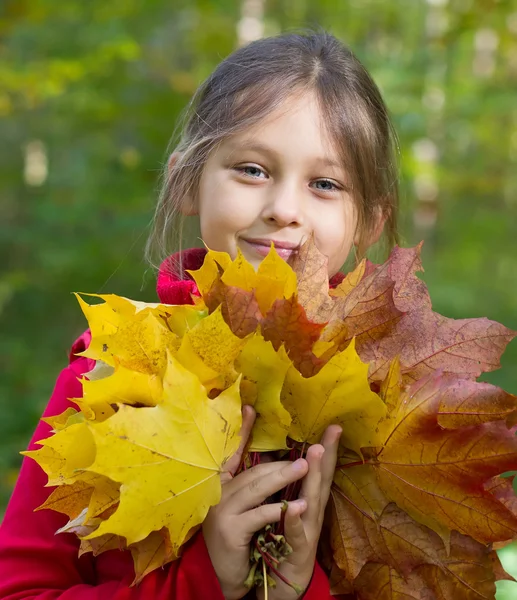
(262, 247)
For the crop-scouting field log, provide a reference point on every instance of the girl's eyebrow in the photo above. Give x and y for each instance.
(254, 145)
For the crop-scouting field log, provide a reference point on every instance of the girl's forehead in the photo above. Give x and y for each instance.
(296, 120)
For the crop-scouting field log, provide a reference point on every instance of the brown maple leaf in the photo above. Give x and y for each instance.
(286, 323)
(362, 305)
(420, 512)
(438, 474)
(466, 573)
(426, 341)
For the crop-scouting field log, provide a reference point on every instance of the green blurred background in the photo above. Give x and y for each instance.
(89, 95)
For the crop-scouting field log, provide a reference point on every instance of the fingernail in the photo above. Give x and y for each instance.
(299, 464)
(301, 503)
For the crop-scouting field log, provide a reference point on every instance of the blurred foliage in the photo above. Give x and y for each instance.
(89, 96)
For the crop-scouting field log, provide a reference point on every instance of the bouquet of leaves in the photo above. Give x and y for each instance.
(419, 502)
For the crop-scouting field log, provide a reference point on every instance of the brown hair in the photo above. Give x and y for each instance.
(254, 81)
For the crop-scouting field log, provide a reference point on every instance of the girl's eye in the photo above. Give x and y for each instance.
(250, 171)
(330, 186)
(254, 172)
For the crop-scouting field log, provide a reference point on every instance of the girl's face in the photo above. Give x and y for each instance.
(280, 182)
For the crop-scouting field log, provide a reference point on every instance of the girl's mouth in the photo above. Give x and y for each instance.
(263, 246)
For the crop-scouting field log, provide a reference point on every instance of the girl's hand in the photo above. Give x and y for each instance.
(230, 525)
(304, 518)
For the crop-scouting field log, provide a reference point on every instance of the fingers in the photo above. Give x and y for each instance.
(293, 526)
(311, 486)
(316, 486)
(248, 420)
(330, 441)
(252, 487)
(256, 519)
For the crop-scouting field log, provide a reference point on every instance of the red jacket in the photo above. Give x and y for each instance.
(36, 564)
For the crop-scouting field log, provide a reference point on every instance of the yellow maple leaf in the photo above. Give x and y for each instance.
(350, 282)
(65, 419)
(209, 350)
(263, 373)
(153, 552)
(94, 411)
(180, 447)
(123, 386)
(273, 280)
(184, 317)
(340, 394)
(65, 454)
(212, 265)
(102, 544)
(106, 493)
(134, 335)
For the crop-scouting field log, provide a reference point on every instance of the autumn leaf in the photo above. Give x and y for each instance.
(410, 292)
(65, 454)
(499, 573)
(310, 267)
(339, 585)
(64, 420)
(154, 552)
(102, 544)
(286, 324)
(395, 540)
(239, 308)
(129, 334)
(362, 306)
(151, 553)
(436, 474)
(369, 308)
(465, 573)
(338, 394)
(350, 282)
(69, 499)
(123, 386)
(388, 311)
(263, 373)
(184, 317)
(243, 294)
(105, 496)
(213, 264)
(460, 404)
(354, 511)
(426, 341)
(180, 451)
(209, 350)
(273, 280)
(440, 467)
(86, 493)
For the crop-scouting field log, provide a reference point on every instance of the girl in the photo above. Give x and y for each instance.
(288, 138)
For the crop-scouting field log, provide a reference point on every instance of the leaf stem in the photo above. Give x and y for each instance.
(266, 561)
(264, 575)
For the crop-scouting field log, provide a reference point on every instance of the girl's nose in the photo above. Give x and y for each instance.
(284, 205)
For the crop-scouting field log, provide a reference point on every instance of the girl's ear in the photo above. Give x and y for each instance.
(377, 227)
(187, 206)
(380, 219)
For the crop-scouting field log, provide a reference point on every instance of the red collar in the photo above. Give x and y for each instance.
(174, 286)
